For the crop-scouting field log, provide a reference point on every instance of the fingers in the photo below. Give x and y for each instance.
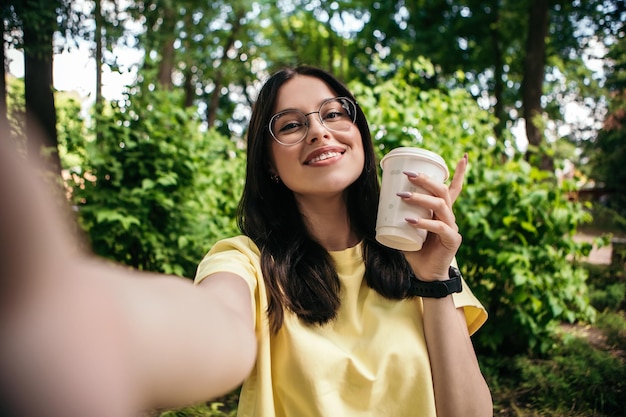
(448, 235)
(457, 181)
(450, 193)
(439, 206)
(443, 222)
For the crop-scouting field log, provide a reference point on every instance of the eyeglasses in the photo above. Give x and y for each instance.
(290, 127)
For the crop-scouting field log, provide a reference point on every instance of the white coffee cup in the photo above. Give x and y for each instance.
(392, 230)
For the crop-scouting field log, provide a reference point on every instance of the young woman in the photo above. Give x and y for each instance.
(306, 307)
(339, 327)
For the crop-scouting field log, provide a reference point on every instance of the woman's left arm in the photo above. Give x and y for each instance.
(460, 388)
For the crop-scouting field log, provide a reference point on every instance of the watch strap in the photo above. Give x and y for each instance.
(437, 289)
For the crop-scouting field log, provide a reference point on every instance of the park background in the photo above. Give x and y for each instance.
(533, 90)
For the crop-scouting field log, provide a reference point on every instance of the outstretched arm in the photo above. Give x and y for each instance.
(80, 336)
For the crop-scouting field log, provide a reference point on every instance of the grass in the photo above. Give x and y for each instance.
(578, 378)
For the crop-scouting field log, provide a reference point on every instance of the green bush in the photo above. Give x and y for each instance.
(519, 253)
(153, 190)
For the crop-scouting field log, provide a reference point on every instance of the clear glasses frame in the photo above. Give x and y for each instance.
(290, 127)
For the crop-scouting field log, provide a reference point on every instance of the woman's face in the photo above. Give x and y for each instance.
(327, 161)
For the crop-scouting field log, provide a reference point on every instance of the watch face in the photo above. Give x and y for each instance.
(454, 272)
(455, 284)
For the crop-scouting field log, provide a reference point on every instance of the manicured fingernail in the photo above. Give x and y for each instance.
(404, 194)
(410, 174)
(410, 220)
(466, 156)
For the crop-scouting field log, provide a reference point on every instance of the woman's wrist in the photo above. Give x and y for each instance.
(437, 288)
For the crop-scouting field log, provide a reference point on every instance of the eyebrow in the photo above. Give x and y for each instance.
(300, 110)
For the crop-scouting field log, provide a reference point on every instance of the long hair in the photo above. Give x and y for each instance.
(299, 273)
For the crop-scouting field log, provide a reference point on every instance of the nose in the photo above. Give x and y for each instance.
(316, 129)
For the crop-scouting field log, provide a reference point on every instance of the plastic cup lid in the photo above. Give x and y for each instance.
(419, 153)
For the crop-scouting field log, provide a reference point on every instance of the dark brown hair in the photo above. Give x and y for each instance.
(299, 273)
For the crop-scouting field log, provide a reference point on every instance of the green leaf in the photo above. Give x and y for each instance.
(111, 216)
(147, 184)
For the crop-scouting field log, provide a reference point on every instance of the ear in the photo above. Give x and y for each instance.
(272, 172)
(271, 169)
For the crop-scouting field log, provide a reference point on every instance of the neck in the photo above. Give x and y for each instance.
(327, 220)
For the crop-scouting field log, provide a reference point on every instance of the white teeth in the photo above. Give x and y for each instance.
(323, 156)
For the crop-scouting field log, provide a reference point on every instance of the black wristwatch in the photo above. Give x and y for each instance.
(437, 289)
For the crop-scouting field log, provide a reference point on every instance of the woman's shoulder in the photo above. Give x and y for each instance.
(236, 243)
(239, 255)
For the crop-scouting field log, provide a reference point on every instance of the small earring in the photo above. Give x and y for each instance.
(275, 178)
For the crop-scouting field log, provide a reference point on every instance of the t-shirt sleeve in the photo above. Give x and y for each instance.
(235, 255)
(475, 313)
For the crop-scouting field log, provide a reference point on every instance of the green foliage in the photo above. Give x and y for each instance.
(225, 406)
(608, 151)
(71, 130)
(576, 367)
(587, 360)
(606, 219)
(608, 158)
(401, 113)
(613, 324)
(518, 226)
(516, 221)
(608, 298)
(16, 108)
(213, 409)
(153, 191)
(545, 387)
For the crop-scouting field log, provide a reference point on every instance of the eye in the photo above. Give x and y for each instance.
(338, 109)
(288, 122)
(335, 113)
(289, 126)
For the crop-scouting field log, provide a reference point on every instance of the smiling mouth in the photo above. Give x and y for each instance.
(324, 156)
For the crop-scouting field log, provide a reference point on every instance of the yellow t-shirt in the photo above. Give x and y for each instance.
(370, 361)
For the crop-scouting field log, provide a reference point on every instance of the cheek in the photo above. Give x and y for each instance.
(274, 156)
(361, 150)
(280, 157)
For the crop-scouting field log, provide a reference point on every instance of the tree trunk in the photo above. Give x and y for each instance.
(41, 130)
(4, 110)
(498, 88)
(167, 64)
(98, 54)
(211, 111)
(189, 87)
(166, 67)
(534, 67)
